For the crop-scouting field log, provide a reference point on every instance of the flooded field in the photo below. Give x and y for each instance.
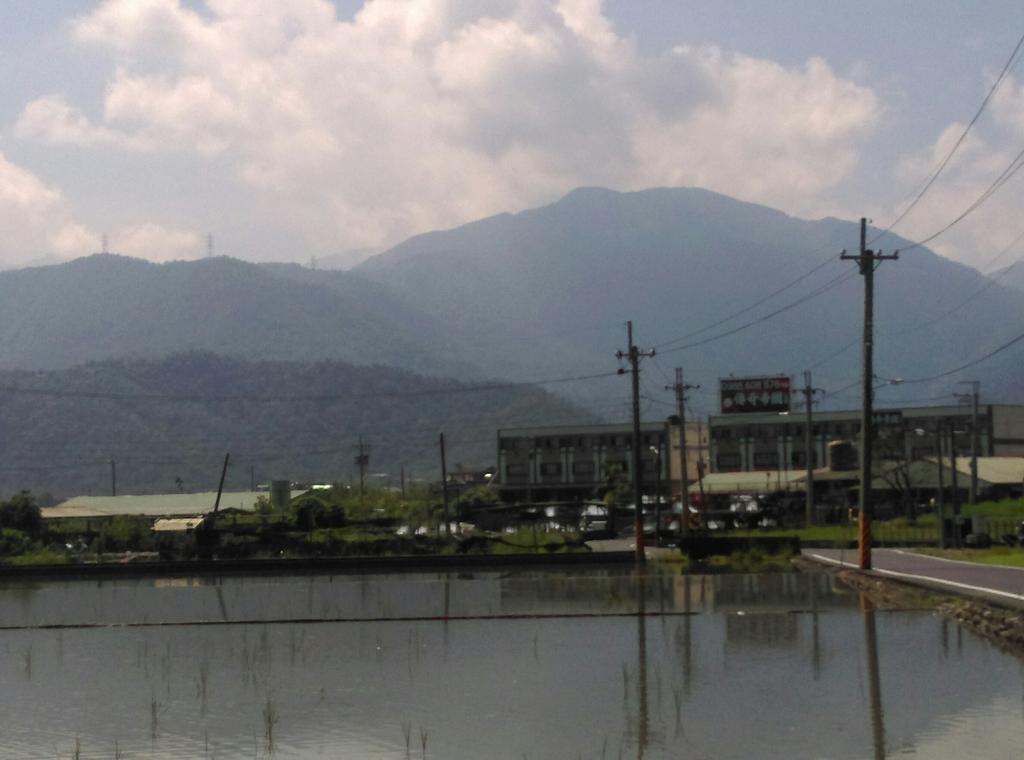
(492, 665)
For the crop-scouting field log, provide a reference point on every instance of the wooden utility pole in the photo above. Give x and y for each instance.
(684, 479)
(113, 477)
(940, 499)
(634, 355)
(444, 489)
(403, 480)
(362, 461)
(809, 392)
(220, 488)
(867, 260)
(955, 496)
(973, 493)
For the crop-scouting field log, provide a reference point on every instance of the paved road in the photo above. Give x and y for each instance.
(1000, 584)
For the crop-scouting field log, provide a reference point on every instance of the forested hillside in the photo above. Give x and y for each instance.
(168, 423)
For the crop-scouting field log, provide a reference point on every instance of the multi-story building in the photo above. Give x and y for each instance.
(571, 463)
(767, 441)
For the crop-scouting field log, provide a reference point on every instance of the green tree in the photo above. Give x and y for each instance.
(21, 512)
(476, 498)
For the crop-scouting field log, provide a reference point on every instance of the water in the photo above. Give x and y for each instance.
(492, 665)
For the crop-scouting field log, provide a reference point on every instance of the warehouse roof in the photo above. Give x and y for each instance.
(155, 505)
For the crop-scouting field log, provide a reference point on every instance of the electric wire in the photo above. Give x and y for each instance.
(1011, 169)
(834, 282)
(746, 309)
(1010, 343)
(1010, 62)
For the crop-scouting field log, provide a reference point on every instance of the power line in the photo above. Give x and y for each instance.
(746, 309)
(968, 365)
(1011, 169)
(834, 282)
(956, 146)
(990, 282)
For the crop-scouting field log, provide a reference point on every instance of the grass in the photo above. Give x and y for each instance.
(752, 561)
(1012, 556)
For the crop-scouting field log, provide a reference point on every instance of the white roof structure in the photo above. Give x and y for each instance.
(155, 505)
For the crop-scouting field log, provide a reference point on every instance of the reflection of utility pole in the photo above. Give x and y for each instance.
(641, 681)
(113, 477)
(874, 679)
(362, 461)
(867, 260)
(684, 479)
(634, 355)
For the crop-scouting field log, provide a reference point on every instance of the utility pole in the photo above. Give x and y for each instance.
(362, 461)
(444, 490)
(220, 488)
(866, 260)
(634, 355)
(973, 398)
(940, 499)
(403, 480)
(684, 480)
(809, 392)
(252, 477)
(956, 486)
(113, 477)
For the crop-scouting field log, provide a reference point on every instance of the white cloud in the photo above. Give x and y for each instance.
(156, 242)
(37, 224)
(980, 238)
(426, 113)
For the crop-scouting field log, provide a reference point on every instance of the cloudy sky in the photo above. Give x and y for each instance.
(330, 129)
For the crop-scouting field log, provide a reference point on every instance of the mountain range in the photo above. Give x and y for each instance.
(716, 286)
(167, 423)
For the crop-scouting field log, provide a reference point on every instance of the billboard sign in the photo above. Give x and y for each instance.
(743, 395)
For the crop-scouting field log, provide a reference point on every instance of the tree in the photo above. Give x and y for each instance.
(477, 498)
(22, 513)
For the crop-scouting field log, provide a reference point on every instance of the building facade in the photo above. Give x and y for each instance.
(750, 442)
(571, 463)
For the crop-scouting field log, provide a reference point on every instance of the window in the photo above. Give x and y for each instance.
(799, 460)
(765, 460)
(583, 469)
(550, 469)
(728, 461)
(515, 470)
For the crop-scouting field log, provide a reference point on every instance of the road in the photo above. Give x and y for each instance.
(1004, 585)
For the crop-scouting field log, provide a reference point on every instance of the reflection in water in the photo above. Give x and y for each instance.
(675, 665)
(641, 653)
(874, 678)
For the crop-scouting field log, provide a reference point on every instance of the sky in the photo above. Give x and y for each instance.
(332, 130)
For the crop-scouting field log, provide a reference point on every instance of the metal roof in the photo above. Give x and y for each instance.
(177, 524)
(760, 481)
(155, 505)
(570, 430)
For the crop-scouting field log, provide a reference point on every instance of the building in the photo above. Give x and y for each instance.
(571, 463)
(155, 505)
(748, 442)
(697, 454)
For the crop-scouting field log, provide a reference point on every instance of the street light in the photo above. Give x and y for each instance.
(657, 493)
